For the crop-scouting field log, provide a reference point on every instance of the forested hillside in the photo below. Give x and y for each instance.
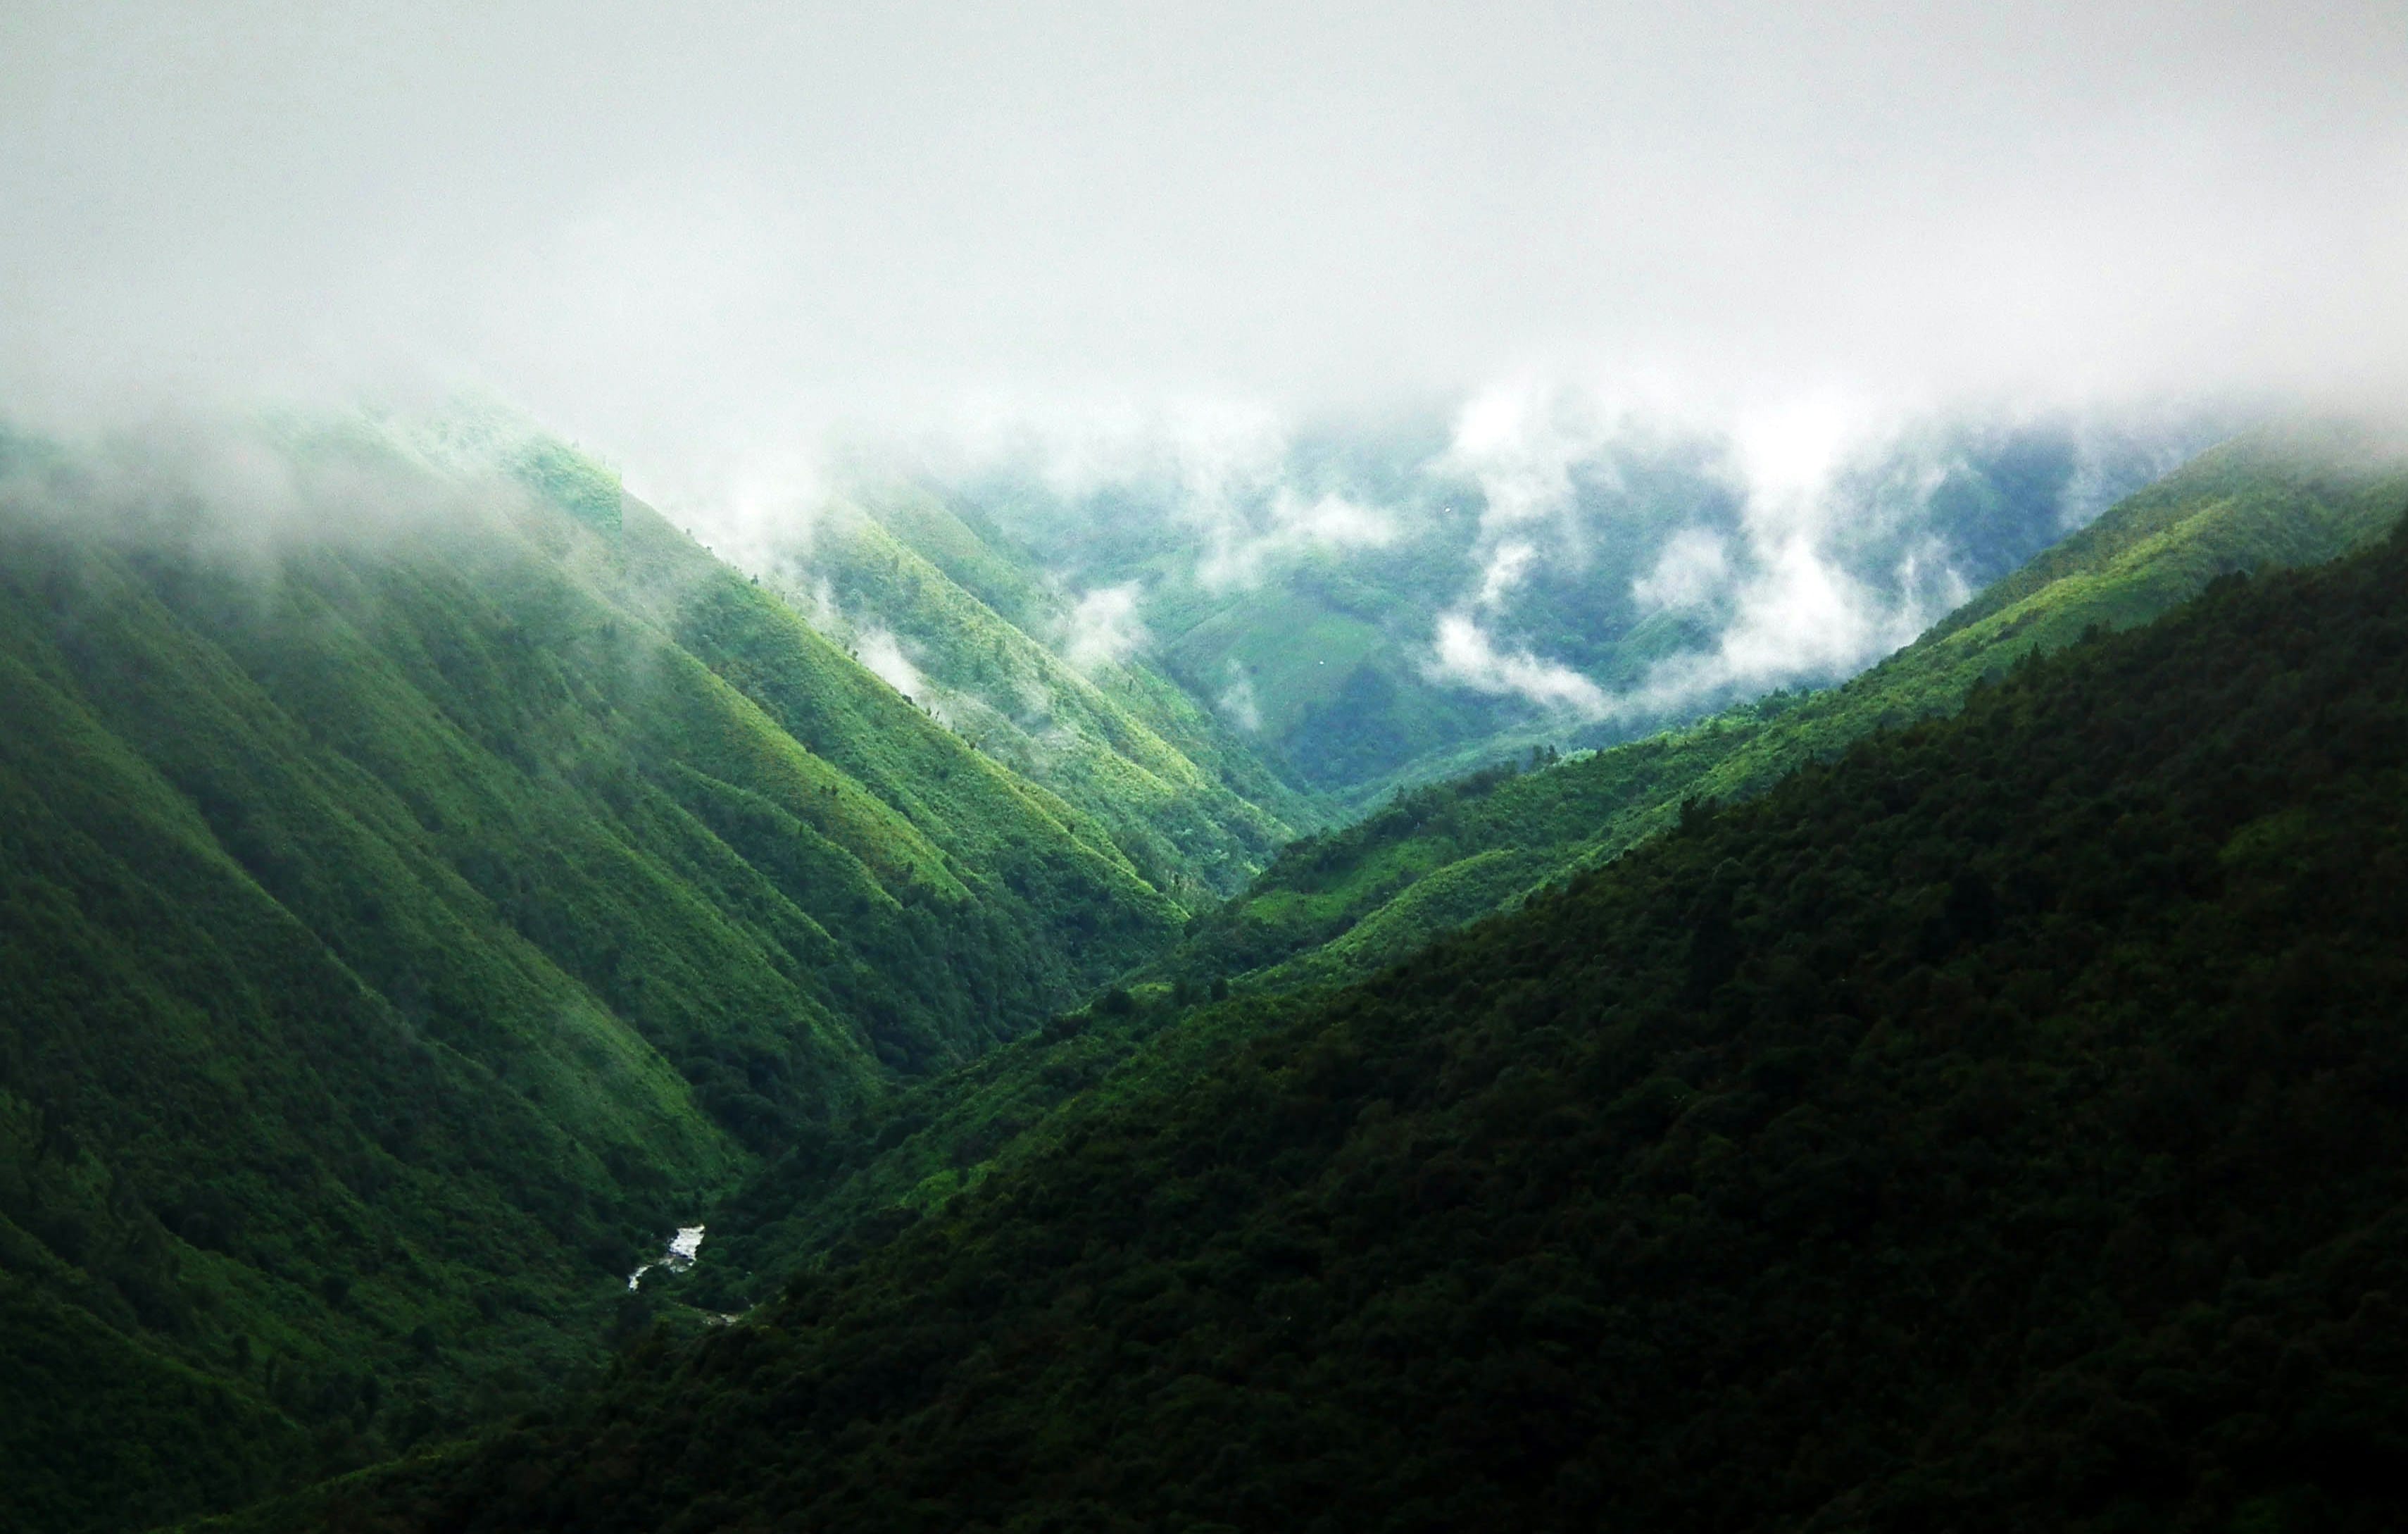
(1343, 903)
(1340, 904)
(969, 629)
(1998, 1128)
(425, 878)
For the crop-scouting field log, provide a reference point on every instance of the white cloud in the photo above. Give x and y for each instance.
(1507, 564)
(1464, 655)
(882, 654)
(1799, 617)
(1246, 542)
(1788, 450)
(1238, 703)
(1331, 521)
(1103, 628)
(1520, 444)
(1692, 570)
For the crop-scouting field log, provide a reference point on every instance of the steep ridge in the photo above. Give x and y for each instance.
(1995, 1128)
(418, 891)
(1340, 904)
(1011, 580)
(982, 646)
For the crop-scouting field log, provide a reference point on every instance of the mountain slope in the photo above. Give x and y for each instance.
(422, 885)
(1299, 587)
(1342, 904)
(971, 639)
(1995, 1130)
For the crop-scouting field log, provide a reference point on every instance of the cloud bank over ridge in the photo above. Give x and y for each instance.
(746, 252)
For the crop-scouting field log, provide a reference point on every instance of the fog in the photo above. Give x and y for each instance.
(676, 229)
(743, 251)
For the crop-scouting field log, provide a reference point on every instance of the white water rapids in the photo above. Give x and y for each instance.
(683, 1248)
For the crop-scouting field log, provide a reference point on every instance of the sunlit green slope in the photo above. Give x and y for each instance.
(978, 640)
(1344, 903)
(416, 893)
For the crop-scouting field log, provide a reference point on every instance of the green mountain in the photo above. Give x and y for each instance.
(1995, 1128)
(425, 878)
(953, 616)
(1342, 904)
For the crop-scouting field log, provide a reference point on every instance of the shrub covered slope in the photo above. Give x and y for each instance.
(1999, 1127)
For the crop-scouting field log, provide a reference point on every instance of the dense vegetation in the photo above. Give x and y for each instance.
(419, 891)
(1342, 904)
(1998, 1128)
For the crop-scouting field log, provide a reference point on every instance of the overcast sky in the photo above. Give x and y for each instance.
(682, 229)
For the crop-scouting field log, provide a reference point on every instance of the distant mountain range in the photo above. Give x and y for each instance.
(1376, 609)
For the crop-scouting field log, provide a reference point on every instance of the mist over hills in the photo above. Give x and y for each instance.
(1346, 903)
(431, 876)
(1374, 606)
(1404, 767)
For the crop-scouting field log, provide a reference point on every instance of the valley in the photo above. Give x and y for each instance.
(1925, 1140)
(423, 934)
(1116, 770)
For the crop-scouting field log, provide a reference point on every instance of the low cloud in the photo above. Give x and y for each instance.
(1523, 447)
(879, 650)
(1247, 546)
(1238, 703)
(1521, 444)
(236, 490)
(1103, 628)
(1798, 619)
(1798, 541)
(1692, 572)
(1464, 655)
(1507, 564)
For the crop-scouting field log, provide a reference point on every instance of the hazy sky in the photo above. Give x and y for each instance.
(684, 229)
